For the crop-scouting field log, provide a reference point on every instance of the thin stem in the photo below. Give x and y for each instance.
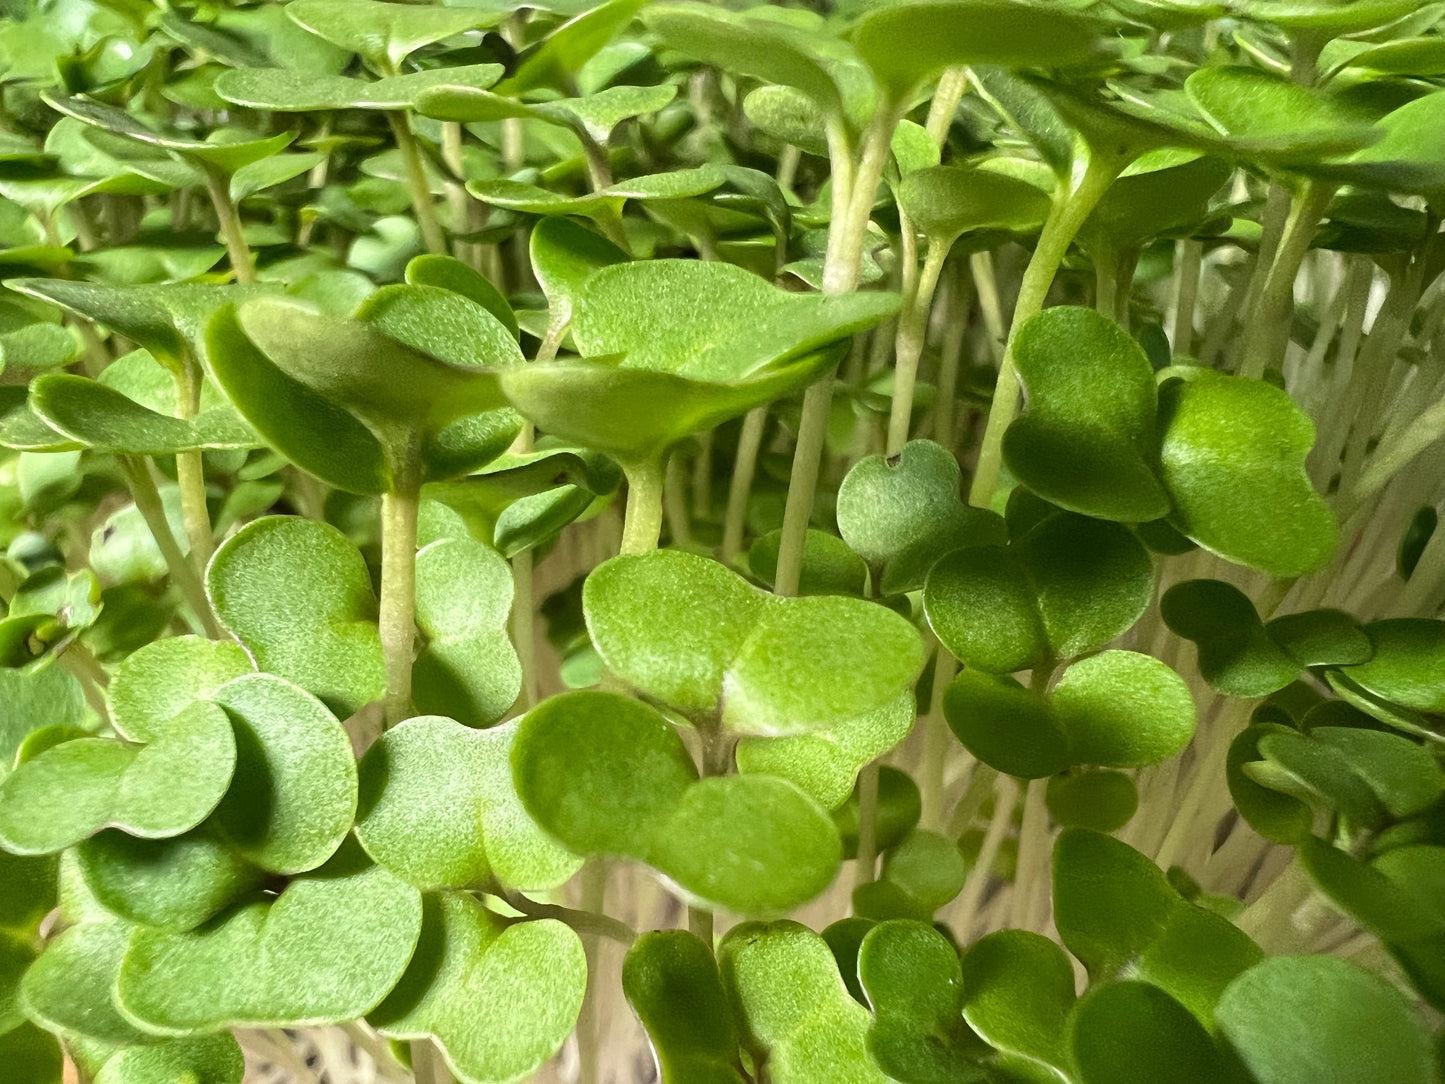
(148, 502)
(865, 869)
(1267, 332)
(398, 597)
(427, 1064)
(232, 233)
(1033, 855)
(1070, 208)
(1005, 796)
(592, 922)
(912, 331)
(594, 898)
(955, 330)
(674, 502)
(980, 269)
(740, 485)
(524, 629)
(191, 475)
(1189, 256)
(937, 740)
(643, 524)
(945, 103)
(416, 183)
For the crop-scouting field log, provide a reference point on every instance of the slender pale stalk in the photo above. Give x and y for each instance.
(865, 869)
(937, 742)
(980, 269)
(912, 331)
(398, 597)
(674, 502)
(1005, 796)
(148, 502)
(1266, 333)
(233, 235)
(944, 105)
(190, 473)
(740, 485)
(1189, 256)
(1033, 859)
(642, 526)
(1071, 206)
(416, 183)
(589, 1020)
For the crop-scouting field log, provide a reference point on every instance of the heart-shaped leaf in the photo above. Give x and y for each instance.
(606, 202)
(329, 948)
(1408, 665)
(906, 44)
(1402, 773)
(571, 45)
(1006, 726)
(173, 884)
(207, 1059)
(1123, 709)
(73, 790)
(671, 981)
(565, 255)
(577, 761)
(1087, 439)
(385, 34)
(829, 566)
(902, 515)
(1298, 1019)
(281, 90)
(297, 595)
(1103, 801)
(468, 669)
(1233, 459)
(438, 809)
(921, 873)
(594, 115)
(1142, 204)
(1322, 638)
(1236, 655)
(294, 794)
(794, 1009)
(448, 273)
(1134, 1033)
(913, 982)
(498, 998)
(69, 988)
(761, 663)
(1019, 990)
(158, 681)
(825, 764)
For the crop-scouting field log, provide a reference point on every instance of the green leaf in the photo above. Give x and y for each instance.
(844, 657)
(1277, 816)
(982, 607)
(294, 794)
(32, 1055)
(385, 34)
(750, 843)
(907, 43)
(1087, 439)
(1007, 727)
(829, 566)
(912, 979)
(1408, 666)
(499, 999)
(944, 202)
(1019, 989)
(15, 957)
(173, 884)
(99, 417)
(448, 273)
(297, 595)
(795, 1010)
(896, 813)
(33, 699)
(1380, 904)
(29, 892)
(1322, 638)
(1403, 775)
(1123, 710)
(207, 1059)
(1134, 1033)
(1233, 459)
(69, 988)
(789, 116)
(329, 948)
(902, 515)
(1236, 655)
(570, 46)
(1143, 204)
(604, 202)
(73, 790)
(312, 432)
(565, 255)
(1298, 1019)
(438, 809)
(825, 764)
(1321, 772)
(1102, 800)
(158, 681)
(468, 669)
(282, 90)
(671, 981)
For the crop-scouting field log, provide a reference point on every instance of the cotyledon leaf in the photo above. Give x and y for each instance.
(795, 1011)
(206, 1059)
(384, 34)
(753, 844)
(607, 201)
(156, 682)
(296, 594)
(283, 90)
(69, 988)
(73, 790)
(99, 417)
(329, 948)
(1236, 655)
(438, 809)
(1018, 989)
(498, 997)
(672, 983)
(1134, 1033)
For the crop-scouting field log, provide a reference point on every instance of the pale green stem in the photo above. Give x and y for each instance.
(980, 784)
(912, 331)
(865, 869)
(985, 285)
(594, 899)
(643, 524)
(945, 103)
(674, 502)
(398, 597)
(1189, 255)
(93, 679)
(416, 183)
(1267, 332)
(955, 330)
(427, 1065)
(191, 475)
(937, 741)
(1033, 855)
(740, 485)
(148, 502)
(840, 274)
(592, 922)
(524, 629)
(1005, 796)
(702, 477)
(1106, 282)
(232, 233)
(1208, 776)
(1070, 208)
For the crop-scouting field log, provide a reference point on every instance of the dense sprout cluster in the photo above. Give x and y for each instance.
(722, 544)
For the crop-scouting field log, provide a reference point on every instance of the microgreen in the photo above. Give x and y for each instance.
(938, 498)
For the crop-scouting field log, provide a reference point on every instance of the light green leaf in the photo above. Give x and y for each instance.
(207, 1059)
(1102, 800)
(69, 988)
(604, 202)
(1006, 726)
(282, 90)
(1408, 667)
(297, 595)
(158, 681)
(1236, 655)
(385, 34)
(499, 999)
(565, 255)
(1123, 710)
(944, 202)
(671, 981)
(1019, 989)
(1134, 1033)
